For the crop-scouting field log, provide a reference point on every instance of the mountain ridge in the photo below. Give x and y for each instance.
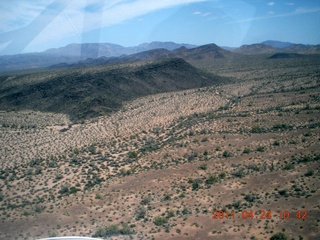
(99, 90)
(75, 52)
(206, 52)
(80, 53)
(277, 44)
(260, 48)
(256, 48)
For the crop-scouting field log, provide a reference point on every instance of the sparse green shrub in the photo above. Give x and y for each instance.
(125, 172)
(182, 195)
(166, 197)
(38, 208)
(236, 204)
(29, 172)
(272, 167)
(106, 231)
(191, 133)
(185, 211)
(222, 175)
(92, 149)
(253, 166)
(250, 197)
(211, 180)
(260, 149)
(195, 186)
(52, 164)
(59, 176)
(52, 234)
(239, 173)
(205, 139)
(195, 183)
(132, 154)
(38, 170)
(307, 134)
(307, 174)
(64, 189)
(145, 200)
(203, 166)
(192, 156)
(98, 196)
(35, 162)
(278, 108)
(26, 213)
(288, 166)
(309, 158)
(283, 192)
(191, 180)
(112, 230)
(95, 180)
(246, 150)
(276, 143)
(279, 236)
(159, 220)
(297, 188)
(282, 127)
(170, 214)
(203, 131)
(227, 154)
(141, 213)
(125, 229)
(257, 129)
(73, 190)
(76, 151)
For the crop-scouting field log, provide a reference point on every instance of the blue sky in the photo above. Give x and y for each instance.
(30, 26)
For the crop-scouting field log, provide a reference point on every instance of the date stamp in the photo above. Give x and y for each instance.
(260, 214)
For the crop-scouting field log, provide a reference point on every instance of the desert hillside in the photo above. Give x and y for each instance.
(239, 136)
(84, 93)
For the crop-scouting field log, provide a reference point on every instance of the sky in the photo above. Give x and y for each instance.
(37, 25)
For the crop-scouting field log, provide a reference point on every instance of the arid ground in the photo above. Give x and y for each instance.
(161, 166)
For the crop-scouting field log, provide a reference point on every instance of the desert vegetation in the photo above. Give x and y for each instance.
(158, 167)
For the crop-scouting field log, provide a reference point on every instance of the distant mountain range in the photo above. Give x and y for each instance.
(73, 53)
(89, 54)
(277, 44)
(272, 46)
(203, 53)
(96, 50)
(255, 49)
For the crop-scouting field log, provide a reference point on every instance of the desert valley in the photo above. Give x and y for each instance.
(186, 143)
